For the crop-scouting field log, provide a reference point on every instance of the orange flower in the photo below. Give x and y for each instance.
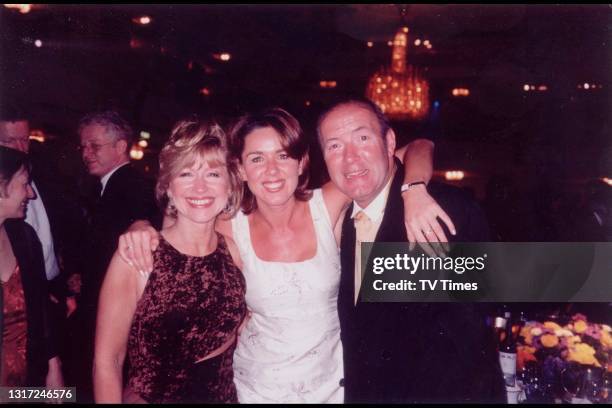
(552, 326)
(523, 355)
(549, 340)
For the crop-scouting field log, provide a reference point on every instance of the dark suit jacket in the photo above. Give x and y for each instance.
(66, 214)
(128, 197)
(417, 352)
(41, 333)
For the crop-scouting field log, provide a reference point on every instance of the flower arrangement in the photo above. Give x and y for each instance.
(578, 341)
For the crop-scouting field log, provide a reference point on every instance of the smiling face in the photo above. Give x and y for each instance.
(271, 174)
(100, 151)
(18, 192)
(200, 192)
(359, 159)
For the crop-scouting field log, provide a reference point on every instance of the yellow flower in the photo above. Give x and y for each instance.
(584, 354)
(606, 339)
(580, 326)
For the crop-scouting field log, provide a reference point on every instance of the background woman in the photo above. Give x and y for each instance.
(179, 325)
(29, 357)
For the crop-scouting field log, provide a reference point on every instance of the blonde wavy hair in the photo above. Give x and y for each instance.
(190, 140)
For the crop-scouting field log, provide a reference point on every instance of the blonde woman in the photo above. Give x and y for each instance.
(179, 324)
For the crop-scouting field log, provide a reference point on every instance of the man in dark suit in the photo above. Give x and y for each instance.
(400, 352)
(124, 197)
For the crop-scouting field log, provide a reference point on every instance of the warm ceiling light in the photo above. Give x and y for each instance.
(542, 88)
(136, 153)
(607, 180)
(142, 20)
(417, 42)
(307, 103)
(461, 92)
(23, 8)
(38, 43)
(454, 175)
(143, 143)
(205, 91)
(144, 134)
(586, 86)
(38, 135)
(399, 90)
(426, 43)
(525, 87)
(222, 56)
(405, 29)
(328, 84)
(390, 43)
(370, 44)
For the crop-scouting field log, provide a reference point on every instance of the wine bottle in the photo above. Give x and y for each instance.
(499, 324)
(507, 353)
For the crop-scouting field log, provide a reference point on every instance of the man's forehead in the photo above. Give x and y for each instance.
(349, 118)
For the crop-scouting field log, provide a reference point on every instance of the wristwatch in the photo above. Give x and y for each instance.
(408, 186)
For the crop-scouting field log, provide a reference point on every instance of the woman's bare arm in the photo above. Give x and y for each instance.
(120, 292)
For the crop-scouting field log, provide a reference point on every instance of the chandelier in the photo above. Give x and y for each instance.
(399, 90)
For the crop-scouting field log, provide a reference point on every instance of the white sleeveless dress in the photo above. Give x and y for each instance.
(290, 349)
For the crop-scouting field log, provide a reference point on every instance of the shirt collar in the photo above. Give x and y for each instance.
(376, 209)
(108, 175)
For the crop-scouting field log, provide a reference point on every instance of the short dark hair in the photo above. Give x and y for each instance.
(13, 113)
(364, 103)
(11, 161)
(111, 121)
(292, 139)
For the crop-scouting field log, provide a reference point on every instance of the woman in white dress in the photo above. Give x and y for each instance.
(289, 350)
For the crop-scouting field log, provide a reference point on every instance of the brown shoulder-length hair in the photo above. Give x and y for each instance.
(291, 137)
(190, 140)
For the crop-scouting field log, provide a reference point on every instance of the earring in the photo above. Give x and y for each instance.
(171, 207)
(227, 208)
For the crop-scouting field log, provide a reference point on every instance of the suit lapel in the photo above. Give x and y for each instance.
(346, 292)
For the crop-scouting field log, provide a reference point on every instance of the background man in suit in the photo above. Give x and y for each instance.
(124, 196)
(400, 352)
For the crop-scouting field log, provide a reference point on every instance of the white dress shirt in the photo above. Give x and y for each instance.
(36, 216)
(375, 212)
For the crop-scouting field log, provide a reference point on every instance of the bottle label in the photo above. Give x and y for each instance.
(499, 322)
(507, 362)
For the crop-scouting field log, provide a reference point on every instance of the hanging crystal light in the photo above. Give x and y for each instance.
(399, 90)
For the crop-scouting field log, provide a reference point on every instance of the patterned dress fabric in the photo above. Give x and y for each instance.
(290, 349)
(14, 337)
(190, 307)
